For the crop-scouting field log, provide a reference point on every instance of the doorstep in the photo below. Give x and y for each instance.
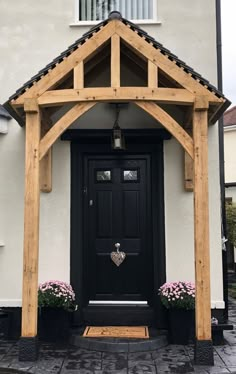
(157, 340)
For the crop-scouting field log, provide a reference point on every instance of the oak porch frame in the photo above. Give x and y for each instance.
(197, 150)
(43, 95)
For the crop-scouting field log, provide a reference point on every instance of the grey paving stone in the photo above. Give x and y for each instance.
(227, 354)
(140, 356)
(4, 348)
(177, 367)
(230, 337)
(47, 366)
(163, 368)
(12, 352)
(141, 367)
(82, 364)
(171, 353)
(81, 371)
(115, 365)
(4, 364)
(9, 371)
(16, 364)
(114, 356)
(82, 354)
(218, 361)
(51, 355)
(232, 369)
(210, 370)
(124, 371)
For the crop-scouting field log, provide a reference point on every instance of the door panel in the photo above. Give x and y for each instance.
(131, 212)
(118, 211)
(103, 214)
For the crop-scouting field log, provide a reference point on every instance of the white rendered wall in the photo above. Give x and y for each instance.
(32, 34)
(230, 155)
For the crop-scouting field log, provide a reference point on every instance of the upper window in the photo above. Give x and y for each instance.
(98, 10)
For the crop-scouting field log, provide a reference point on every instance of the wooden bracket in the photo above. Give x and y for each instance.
(61, 125)
(46, 161)
(188, 173)
(188, 168)
(169, 123)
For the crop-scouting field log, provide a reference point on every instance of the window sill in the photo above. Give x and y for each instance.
(137, 22)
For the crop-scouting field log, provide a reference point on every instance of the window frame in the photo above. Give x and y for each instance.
(77, 22)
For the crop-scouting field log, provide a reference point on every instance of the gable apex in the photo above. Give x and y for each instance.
(97, 36)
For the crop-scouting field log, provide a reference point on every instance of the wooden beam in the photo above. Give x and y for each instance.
(176, 96)
(79, 75)
(163, 62)
(188, 172)
(115, 61)
(201, 225)
(152, 74)
(46, 162)
(169, 123)
(61, 125)
(61, 69)
(31, 223)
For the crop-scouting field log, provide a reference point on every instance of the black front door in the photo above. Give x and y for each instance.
(117, 210)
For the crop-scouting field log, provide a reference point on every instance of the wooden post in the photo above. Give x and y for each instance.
(203, 347)
(31, 233)
(152, 74)
(115, 61)
(79, 75)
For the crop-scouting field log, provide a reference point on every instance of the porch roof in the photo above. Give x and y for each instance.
(221, 107)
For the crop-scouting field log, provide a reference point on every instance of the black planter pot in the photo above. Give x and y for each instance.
(181, 326)
(54, 324)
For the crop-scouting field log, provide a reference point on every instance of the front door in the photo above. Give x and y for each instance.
(117, 210)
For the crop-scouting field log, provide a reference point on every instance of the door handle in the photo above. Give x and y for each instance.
(118, 257)
(117, 245)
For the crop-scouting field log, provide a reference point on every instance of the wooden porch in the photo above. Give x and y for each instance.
(167, 82)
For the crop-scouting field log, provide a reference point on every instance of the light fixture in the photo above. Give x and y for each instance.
(118, 140)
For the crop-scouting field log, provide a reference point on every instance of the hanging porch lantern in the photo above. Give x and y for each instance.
(118, 140)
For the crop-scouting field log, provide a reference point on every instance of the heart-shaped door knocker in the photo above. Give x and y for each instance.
(118, 257)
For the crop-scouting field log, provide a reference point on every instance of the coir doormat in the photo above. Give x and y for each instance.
(135, 332)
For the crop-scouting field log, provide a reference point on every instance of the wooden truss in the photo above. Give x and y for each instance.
(41, 135)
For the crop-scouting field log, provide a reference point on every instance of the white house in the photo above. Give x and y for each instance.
(230, 157)
(230, 167)
(95, 196)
